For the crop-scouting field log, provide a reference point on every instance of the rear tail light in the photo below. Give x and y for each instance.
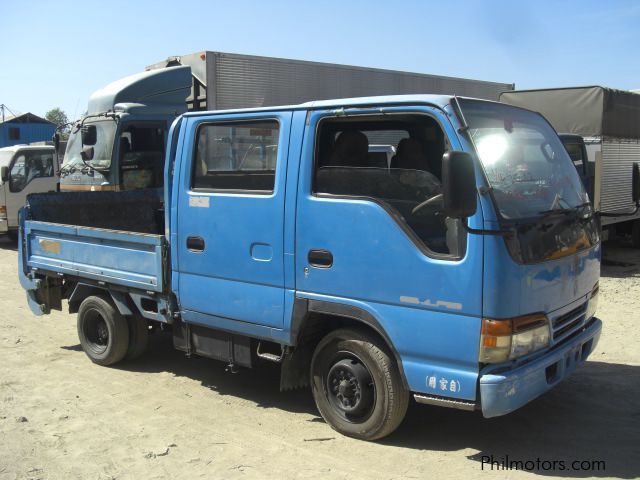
(3, 212)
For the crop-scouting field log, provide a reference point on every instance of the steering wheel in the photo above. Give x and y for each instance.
(428, 201)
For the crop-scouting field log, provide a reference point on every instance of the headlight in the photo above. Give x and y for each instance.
(593, 301)
(507, 339)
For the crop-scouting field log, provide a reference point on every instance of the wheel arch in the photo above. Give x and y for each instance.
(83, 290)
(312, 320)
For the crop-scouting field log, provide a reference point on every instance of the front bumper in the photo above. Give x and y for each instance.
(4, 225)
(504, 392)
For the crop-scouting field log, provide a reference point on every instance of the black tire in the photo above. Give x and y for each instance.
(103, 332)
(12, 235)
(138, 336)
(635, 233)
(357, 385)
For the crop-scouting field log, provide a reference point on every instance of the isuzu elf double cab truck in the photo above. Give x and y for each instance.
(463, 274)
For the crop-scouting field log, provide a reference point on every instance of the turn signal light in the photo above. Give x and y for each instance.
(507, 339)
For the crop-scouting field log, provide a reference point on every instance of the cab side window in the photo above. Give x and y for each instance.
(407, 185)
(237, 156)
(27, 167)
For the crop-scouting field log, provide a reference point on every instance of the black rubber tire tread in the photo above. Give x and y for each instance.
(12, 235)
(392, 398)
(635, 233)
(116, 325)
(138, 336)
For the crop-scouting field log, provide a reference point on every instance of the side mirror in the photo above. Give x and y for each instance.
(4, 174)
(635, 183)
(56, 141)
(458, 185)
(87, 154)
(89, 135)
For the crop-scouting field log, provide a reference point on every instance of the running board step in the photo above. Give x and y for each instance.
(444, 402)
(271, 357)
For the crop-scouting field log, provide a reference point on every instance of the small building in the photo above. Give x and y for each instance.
(25, 128)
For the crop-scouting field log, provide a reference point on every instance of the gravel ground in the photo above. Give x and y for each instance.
(165, 416)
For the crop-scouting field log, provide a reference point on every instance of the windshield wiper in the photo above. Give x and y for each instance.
(547, 213)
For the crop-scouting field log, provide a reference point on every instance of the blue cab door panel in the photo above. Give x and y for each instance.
(429, 306)
(230, 243)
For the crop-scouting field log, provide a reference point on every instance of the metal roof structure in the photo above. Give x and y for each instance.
(25, 118)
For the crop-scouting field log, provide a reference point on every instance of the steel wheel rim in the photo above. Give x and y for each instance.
(96, 331)
(349, 387)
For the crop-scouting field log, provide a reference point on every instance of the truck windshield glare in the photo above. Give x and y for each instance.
(525, 163)
(106, 131)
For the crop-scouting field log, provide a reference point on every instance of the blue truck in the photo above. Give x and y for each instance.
(463, 274)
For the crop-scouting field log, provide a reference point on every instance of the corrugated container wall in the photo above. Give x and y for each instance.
(618, 157)
(250, 81)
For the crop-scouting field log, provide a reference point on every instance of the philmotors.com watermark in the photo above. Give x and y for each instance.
(491, 463)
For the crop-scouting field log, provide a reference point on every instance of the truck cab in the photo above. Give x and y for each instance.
(464, 273)
(120, 143)
(25, 169)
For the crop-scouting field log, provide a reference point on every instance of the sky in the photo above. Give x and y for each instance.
(55, 54)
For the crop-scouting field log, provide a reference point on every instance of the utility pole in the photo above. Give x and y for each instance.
(3, 107)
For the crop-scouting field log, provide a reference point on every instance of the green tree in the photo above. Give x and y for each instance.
(57, 116)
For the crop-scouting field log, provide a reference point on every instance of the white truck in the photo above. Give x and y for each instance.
(24, 169)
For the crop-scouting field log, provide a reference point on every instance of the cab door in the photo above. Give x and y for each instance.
(370, 246)
(31, 171)
(230, 217)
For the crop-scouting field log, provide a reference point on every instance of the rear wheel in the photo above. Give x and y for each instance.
(138, 336)
(357, 385)
(103, 332)
(635, 233)
(13, 236)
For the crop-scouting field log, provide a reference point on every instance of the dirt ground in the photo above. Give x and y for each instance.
(166, 416)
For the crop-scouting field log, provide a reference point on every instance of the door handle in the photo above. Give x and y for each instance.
(320, 258)
(195, 244)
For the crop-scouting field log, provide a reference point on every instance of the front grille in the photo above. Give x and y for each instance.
(569, 322)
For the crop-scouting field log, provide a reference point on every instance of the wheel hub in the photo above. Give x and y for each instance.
(349, 387)
(103, 334)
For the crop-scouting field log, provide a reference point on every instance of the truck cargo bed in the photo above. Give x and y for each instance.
(114, 257)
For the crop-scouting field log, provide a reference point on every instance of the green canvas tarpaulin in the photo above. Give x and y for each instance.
(586, 111)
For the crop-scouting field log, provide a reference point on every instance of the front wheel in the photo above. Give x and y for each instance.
(357, 385)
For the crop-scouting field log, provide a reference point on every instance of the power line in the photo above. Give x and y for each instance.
(3, 107)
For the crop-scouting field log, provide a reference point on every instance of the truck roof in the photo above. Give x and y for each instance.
(15, 148)
(168, 86)
(439, 101)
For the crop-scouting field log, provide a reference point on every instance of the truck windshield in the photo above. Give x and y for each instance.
(528, 168)
(106, 131)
